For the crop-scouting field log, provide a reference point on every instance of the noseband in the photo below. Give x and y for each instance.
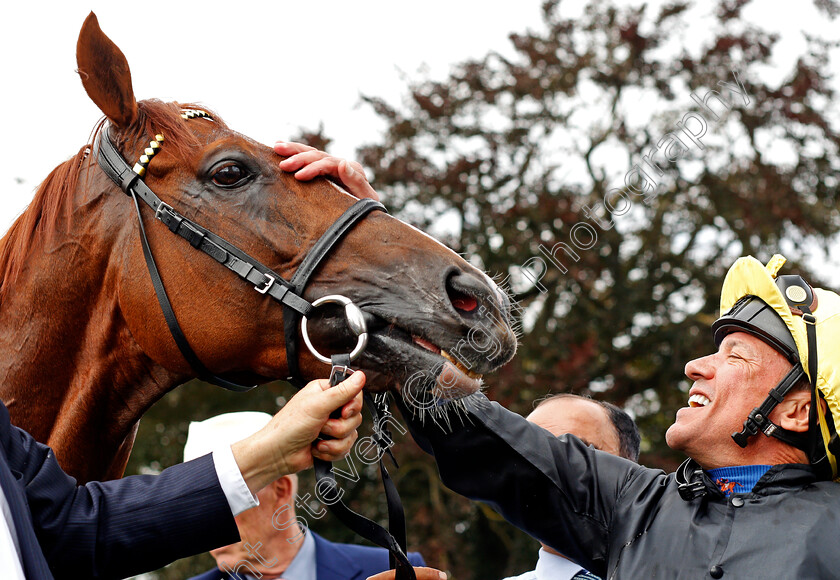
(295, 308)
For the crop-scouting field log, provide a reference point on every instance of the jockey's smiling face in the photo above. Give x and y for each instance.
(727, 386)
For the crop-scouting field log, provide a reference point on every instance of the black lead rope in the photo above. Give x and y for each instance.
(394, 542)
(396, 514)
(326, 484)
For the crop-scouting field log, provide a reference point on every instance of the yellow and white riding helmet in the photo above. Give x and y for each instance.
(801, 322)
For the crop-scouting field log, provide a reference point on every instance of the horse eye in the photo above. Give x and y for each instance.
(230, 175)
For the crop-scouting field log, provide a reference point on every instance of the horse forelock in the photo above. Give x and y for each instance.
(157, 116)
(53, 193)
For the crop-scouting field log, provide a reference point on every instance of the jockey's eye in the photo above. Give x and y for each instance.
(230, 174)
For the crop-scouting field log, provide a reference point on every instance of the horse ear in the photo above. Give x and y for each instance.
(105, 74)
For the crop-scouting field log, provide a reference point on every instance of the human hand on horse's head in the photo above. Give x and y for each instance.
(284, 445)
(420, 573)
(307, 163)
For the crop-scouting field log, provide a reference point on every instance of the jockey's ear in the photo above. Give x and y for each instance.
(792, 413)
(105, 74)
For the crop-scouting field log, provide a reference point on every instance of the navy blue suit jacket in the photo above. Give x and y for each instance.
(337, 562)
(112, 529)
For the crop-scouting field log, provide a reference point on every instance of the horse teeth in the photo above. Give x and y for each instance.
(459, 365)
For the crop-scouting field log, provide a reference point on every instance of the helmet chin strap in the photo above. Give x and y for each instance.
(758, 420)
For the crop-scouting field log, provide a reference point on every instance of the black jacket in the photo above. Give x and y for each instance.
(621, 520)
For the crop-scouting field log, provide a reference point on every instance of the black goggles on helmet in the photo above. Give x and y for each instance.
(752, 315)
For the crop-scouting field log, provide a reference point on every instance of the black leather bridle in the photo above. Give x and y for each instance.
(264, 279)
(295, 308)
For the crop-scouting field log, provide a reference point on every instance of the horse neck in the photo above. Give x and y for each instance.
(70, 371)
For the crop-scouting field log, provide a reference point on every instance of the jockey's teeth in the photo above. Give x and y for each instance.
(698, 401)
(459, 366)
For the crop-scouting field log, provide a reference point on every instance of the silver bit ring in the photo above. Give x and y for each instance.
(355, 320)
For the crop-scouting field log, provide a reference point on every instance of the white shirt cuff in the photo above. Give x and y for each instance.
(236, 490)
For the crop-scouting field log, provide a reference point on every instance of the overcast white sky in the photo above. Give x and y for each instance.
(268, 68)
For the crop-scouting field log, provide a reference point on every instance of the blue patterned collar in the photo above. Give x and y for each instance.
(737, 479)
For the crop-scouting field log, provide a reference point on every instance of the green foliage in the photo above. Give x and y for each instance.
(511, 152)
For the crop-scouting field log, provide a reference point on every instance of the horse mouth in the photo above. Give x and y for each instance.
(400, 359)
(396, 358)
(437, 350)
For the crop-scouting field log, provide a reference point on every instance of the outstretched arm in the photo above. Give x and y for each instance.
(556, 489)
(118, 528)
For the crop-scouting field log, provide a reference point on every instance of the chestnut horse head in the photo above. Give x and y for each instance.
(85, 346)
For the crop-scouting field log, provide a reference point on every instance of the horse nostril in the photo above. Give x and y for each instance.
(462, 302)
(481, 318)
(464, 292)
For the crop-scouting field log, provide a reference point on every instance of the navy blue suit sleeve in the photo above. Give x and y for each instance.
(123, 527)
